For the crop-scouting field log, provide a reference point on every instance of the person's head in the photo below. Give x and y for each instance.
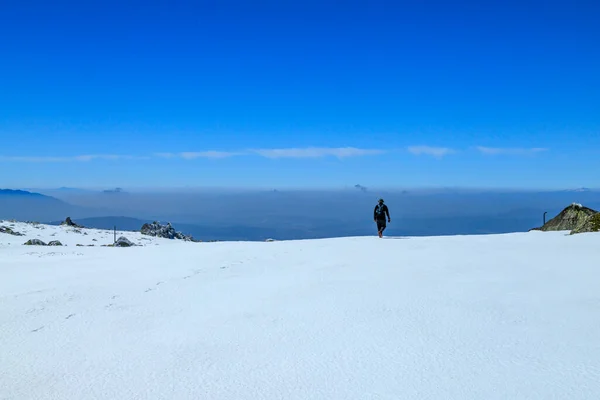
(380, 201)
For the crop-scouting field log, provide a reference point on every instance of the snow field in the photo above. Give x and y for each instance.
(465, 317)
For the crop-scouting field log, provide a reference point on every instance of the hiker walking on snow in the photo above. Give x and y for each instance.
(379, 216)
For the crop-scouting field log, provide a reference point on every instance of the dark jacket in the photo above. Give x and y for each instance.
(384, 212)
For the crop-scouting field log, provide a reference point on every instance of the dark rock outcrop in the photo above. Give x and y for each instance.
(592, 224)
(9, 231)
(571, 218)
(164, 231)
(35, 242)
(55, 243)
(69, 222)
(123, 242)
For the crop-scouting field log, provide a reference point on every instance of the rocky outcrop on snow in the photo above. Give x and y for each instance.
(34, 242)
(69, 222)
(569, 219)
(38, 242)
(592, 224)
(123, 242)
(9, 231)
(164, 231)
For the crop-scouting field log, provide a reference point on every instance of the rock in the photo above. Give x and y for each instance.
(569, 219)
(69, 222)
(270, 240)
(591, 224)
(123, 242)
(55, 243)
(35, 242)
(9, 231)
(164, 231)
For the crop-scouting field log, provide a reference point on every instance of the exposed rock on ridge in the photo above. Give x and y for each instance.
(570, 218)
(69, 222)
(35, 242)
(123, 242)
(164, 231)
(575, 218)
(592, 224)
(9, 231)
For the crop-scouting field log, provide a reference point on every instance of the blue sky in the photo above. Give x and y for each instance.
(305, 94)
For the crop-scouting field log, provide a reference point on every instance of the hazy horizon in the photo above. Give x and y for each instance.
(297, 214)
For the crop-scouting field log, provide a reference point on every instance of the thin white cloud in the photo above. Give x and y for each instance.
(191, 155)
(430, 151)
(166, 155)
(207, 154)
(80, 158)
(90, 157)
(316, 152)
(510, 150)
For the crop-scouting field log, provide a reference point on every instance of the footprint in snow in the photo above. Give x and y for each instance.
(38, 329)
(69, 316)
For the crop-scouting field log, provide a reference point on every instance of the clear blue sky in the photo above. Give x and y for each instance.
(270, 94)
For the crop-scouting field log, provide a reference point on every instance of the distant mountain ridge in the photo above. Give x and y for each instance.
(30, 206)
(17, 192)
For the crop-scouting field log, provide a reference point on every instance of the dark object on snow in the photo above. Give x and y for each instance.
(572, 218)
(69, 222)
(164, 231)
(35, 242)
(592, 224)
(9, 231)
(55, 243)
(123, 242)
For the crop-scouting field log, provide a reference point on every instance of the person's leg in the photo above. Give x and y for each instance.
(380, 227)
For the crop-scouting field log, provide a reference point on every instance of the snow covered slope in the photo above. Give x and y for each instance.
(467, 317)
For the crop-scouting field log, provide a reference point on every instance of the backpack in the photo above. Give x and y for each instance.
(379, 210)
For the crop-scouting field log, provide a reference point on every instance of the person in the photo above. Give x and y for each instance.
(379, 214)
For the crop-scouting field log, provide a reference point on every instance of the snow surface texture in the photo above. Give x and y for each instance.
(467, 317)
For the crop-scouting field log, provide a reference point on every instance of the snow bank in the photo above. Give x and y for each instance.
(481, 317)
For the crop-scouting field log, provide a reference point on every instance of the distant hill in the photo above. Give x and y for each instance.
(29, 206)
(19, 193)
(570, 218)
(114, 191)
